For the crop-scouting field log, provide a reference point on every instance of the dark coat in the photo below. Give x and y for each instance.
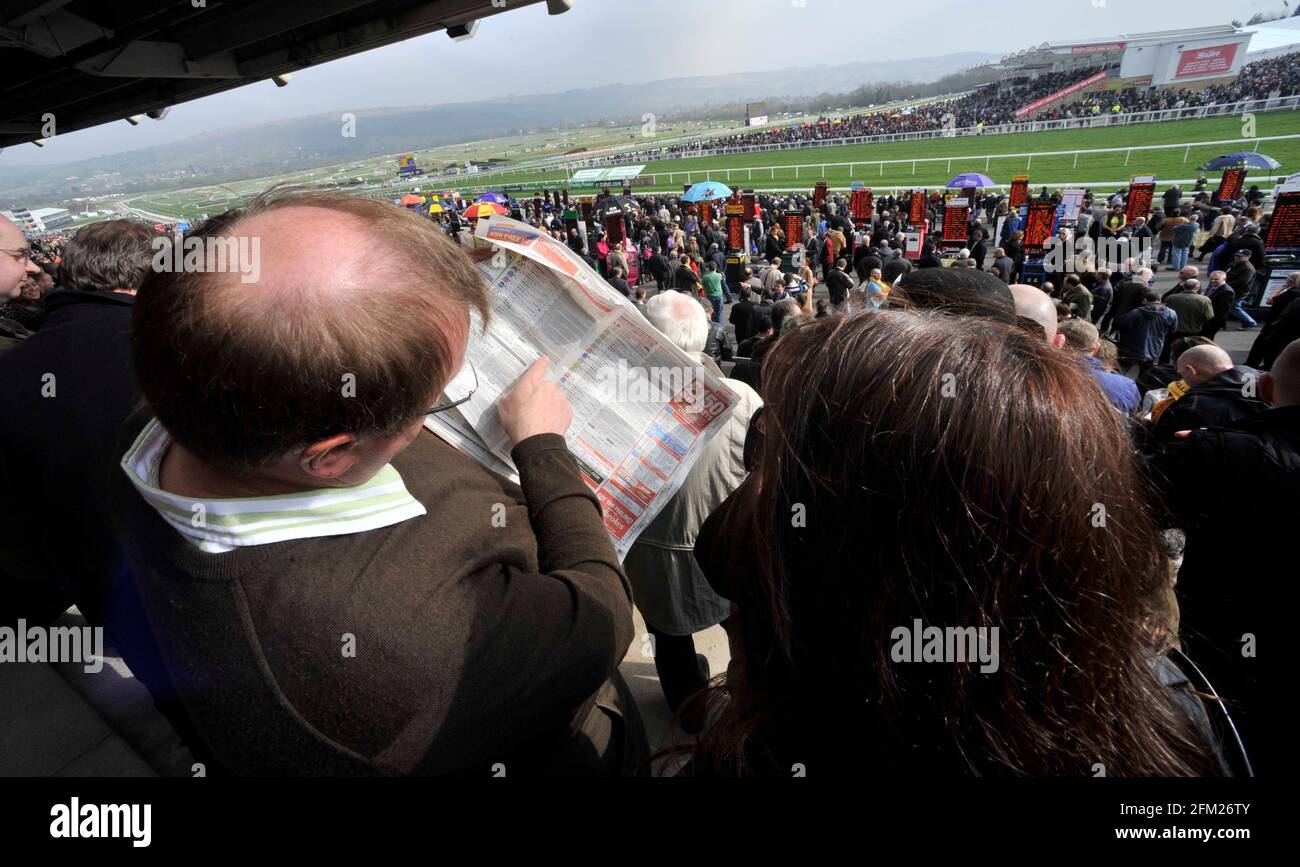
(1227, 590)
(838, 285)
(1218, 402)
(65, 392)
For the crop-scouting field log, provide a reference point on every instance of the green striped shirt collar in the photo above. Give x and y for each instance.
(217, 526)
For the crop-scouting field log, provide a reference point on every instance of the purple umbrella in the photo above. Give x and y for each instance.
(970, 179)
(494, 198)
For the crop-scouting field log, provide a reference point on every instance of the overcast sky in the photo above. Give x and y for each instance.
(631, 41)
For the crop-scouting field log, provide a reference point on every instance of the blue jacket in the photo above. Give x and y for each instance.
(1142, 331)
(1121, 391)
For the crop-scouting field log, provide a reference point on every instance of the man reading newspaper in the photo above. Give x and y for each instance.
(334, 590)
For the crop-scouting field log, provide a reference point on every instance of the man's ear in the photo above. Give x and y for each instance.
(1058, 340)
(329, 458)
(1266, 388)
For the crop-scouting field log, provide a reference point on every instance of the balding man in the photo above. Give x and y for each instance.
(15, 264)
(1036, 308)
(336, 591)
(1083, 338)
(1005, 264)
(1219, 394)
(1229, 591)
(1194, 312)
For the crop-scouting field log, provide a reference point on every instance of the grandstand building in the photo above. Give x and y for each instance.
(1190, 58)
(1182, 58)
(39, 219)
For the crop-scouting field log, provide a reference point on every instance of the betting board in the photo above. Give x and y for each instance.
(1140, 195)
(793, 229)
(1230, 186)
(1284, 230)
(955, 218)
(863, 206)
(917, 214)
(1038, 226)
(1019, 191)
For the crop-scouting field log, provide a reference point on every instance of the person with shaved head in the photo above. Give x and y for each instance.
(1228, 591)
(1220, 393)
(1036, 308)
(335, 590)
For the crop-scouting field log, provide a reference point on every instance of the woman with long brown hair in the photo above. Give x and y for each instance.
(918, 470)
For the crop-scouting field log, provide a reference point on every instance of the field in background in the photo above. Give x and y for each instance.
(947, 157)
(193, 203)
(914, 164)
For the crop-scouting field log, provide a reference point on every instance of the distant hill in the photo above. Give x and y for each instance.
(280, 146)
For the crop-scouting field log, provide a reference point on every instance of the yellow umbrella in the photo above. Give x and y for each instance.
(435, 208)
(478, 210)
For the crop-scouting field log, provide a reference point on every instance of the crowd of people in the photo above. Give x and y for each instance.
(995, 105)
(915, 441)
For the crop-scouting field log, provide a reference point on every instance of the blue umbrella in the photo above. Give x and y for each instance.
(970, 179)
(494, 198)
(706, 191)
(1242, 160)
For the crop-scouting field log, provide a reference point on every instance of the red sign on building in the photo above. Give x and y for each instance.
(1216, 59)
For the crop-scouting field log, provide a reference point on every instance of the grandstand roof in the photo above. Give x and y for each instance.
(1275, 36)
(1048, 53)
(89, 62)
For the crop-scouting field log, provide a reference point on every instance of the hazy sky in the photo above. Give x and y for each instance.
(656, 39)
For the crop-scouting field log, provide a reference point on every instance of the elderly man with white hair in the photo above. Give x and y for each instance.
(670, 590)
(1220, 392)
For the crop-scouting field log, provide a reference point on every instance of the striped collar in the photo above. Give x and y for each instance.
(217, 526)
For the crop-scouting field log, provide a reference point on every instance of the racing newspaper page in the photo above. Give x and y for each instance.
(642, 408)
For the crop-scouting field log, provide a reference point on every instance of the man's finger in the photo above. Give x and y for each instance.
(1182, 434)
(535, 371)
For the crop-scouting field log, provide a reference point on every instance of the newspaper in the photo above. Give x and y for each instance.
(643, 409)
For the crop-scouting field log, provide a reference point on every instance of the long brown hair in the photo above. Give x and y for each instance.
(964, 473)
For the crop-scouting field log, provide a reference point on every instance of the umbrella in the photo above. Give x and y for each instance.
(483, 209)
(1242, 160)
(494, 198)
(412, 199)
(970, 179)
(706, 191)
(435, 208)
(613, 206)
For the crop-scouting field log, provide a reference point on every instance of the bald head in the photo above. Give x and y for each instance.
(1200, 364)
(356, 321)
(1034, 304)
(1284, 377)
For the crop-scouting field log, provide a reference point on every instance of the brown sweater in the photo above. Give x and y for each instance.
(474, 644)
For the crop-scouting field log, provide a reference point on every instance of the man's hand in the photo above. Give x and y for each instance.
(534, 406)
